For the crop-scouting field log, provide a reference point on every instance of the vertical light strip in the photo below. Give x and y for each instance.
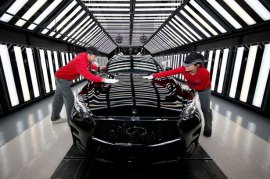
(12, 91)
(63, 59)
(262, 78)
(222, 71)
(236, 71)
(32, 71)
(22, 74)
(49, 54)
(14, 8)
(56, 63)
(44, 70)
(248, 72)
(214, 75)
(67, 58)
(259, 9)
(209, 64)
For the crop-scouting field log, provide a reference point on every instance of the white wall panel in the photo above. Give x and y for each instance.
(248, 72)
(262, 78)
(9, 78)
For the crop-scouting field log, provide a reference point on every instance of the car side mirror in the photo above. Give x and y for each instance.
(168, 68)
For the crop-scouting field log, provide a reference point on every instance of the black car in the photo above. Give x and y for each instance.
(135, 119)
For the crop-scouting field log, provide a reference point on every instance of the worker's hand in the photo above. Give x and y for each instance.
(106, 80)
(185, 87)
(150, 77)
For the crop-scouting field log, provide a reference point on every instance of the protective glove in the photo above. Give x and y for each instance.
(150, 77)
(106, 80)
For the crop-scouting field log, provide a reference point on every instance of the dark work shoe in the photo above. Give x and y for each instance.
(207, 133)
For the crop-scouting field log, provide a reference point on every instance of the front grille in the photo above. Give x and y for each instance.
(136, 132)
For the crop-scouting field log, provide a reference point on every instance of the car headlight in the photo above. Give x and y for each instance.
(82, 110)
(189, 110)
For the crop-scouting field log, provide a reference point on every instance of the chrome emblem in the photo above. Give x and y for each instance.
(136, 131)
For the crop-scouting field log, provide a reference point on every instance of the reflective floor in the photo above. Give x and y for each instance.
(31, 147)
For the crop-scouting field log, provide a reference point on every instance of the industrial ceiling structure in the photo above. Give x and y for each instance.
(156, 25)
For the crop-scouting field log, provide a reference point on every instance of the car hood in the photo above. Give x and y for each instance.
(135, 96)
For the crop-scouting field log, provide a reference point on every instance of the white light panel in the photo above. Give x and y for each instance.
(14, 8)
(210, 57)
(49, 55)
(240, 12)
(248, 72)
(44, 70)
(224, 14)
(207, 16)
(22, 74)
(63, 59)
(32, 68)
(214, 74)
(222, 70)
(236, 71)
(44, 14)
(259, 9)
(30, 12)
(262, 78)
(56, 63)
(6, 64)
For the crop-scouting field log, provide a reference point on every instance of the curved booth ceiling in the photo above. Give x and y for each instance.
(157, 25)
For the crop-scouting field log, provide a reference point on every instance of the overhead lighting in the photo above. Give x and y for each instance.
(72, 22)
(262, 78)
(154, 9)
(236, 71)
(240, 12)
(248, 72)
(14, 8)
(109, 9)
(9, 78)
(259, 9)
(157, 4)
(67, 18)
(210, 58)
(44, 14)
(78, 26)
(30, 12)
(200, 20)
(224, 14)
(155, 15)
(95, 14)
(195, 23)
(107, 4)
(59, 17)
(188, 27)
(207, 16)
(183, 31)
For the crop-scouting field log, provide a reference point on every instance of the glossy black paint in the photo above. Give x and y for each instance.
(135, 119)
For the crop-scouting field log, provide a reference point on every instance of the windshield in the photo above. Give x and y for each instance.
(133, 64)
